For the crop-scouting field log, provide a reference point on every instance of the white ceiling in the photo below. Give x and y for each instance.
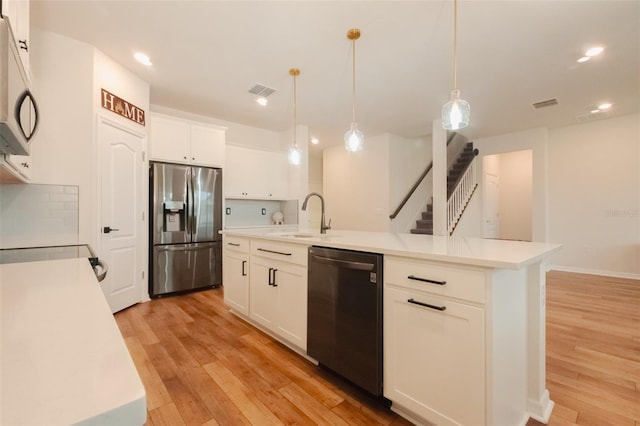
(207, 55)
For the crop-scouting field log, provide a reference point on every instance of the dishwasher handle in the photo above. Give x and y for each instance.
(360, 266)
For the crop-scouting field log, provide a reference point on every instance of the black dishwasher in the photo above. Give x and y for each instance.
(344, 328)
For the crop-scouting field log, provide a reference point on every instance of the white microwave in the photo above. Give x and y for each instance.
(18, 109)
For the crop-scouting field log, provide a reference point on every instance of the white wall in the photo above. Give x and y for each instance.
(68, 94)
(585, 192)
(363, 188)
(315, 185)
(407, 160)
(594, 196)
(356, 185)
(516, 197)
(63, 150)
(536, 141)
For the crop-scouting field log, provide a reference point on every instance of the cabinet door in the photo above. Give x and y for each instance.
(207, 146)
(434, 360)
(291, 282)
(245, 173)
(169, 140)
(277, 175)
(235, 280)
(263, 295)
(18, 13)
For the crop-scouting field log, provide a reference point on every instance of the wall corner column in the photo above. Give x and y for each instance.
(539, 404)
(439, 154)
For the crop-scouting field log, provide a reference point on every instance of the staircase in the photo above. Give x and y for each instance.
(456, 172)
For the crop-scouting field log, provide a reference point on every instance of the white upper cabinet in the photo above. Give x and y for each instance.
(256, 174)
(17, 11)
(184, 141)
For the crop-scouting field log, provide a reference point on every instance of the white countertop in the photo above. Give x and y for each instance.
(469, 251)
(63, 359)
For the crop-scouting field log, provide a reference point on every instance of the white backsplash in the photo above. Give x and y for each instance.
(38, 215)
(248, 213)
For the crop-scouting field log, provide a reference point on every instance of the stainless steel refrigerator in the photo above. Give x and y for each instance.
(186, 215)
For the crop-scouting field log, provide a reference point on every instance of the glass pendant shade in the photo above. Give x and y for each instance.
(456, 112)
(295, 155)
(353, 139)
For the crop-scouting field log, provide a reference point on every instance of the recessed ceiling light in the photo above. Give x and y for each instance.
(584, 59)
(594, 51)
(314, 141)
(261, 100)
(143, 59)
(595, 111)
(604, 106)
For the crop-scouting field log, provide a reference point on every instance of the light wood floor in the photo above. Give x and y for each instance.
(202, 365)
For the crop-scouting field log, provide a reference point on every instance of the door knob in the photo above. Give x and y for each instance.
(108, 229)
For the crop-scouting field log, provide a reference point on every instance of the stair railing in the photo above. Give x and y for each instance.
(459, 198)
(418, 182)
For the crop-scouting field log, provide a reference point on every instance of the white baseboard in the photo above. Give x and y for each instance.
(616, 274)
(541, 410)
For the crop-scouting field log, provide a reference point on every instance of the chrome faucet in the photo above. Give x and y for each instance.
(323, 226)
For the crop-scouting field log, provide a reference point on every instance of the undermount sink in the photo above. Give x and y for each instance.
(300, 234)
(305, 235)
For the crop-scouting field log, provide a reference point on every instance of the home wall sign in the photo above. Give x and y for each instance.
(121, 107)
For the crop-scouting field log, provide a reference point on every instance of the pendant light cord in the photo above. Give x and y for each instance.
(353, 80)
(455, 43)
(295, 114)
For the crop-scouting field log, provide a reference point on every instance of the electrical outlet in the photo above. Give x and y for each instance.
(228, 211)
(264, 211)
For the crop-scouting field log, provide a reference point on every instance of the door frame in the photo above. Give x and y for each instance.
(143, 205)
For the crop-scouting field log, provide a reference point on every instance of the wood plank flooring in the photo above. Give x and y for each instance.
(203, 366)
(593, 349)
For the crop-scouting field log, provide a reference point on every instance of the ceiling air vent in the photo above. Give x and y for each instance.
(544, 104)
(260, 90)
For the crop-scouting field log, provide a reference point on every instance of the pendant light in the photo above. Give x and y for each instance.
(455, 113)
(294, 152)
(353, 139)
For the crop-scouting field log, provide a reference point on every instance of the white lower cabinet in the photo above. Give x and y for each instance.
(434, 357)
(435, 349)
(235, 274)
(278, 290)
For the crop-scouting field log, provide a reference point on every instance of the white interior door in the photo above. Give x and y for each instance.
(122, 221)
(491, 203)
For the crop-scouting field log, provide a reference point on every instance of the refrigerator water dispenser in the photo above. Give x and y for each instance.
(173, 217)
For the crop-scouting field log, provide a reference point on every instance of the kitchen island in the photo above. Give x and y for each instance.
(63, 359)
(464, 318)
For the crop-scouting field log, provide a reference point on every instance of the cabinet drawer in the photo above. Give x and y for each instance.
(436, 278)
(434, 357)
(240, 245)
(293, 253)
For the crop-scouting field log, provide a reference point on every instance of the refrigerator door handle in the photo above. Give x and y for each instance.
(189, 212)
(193, 204)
